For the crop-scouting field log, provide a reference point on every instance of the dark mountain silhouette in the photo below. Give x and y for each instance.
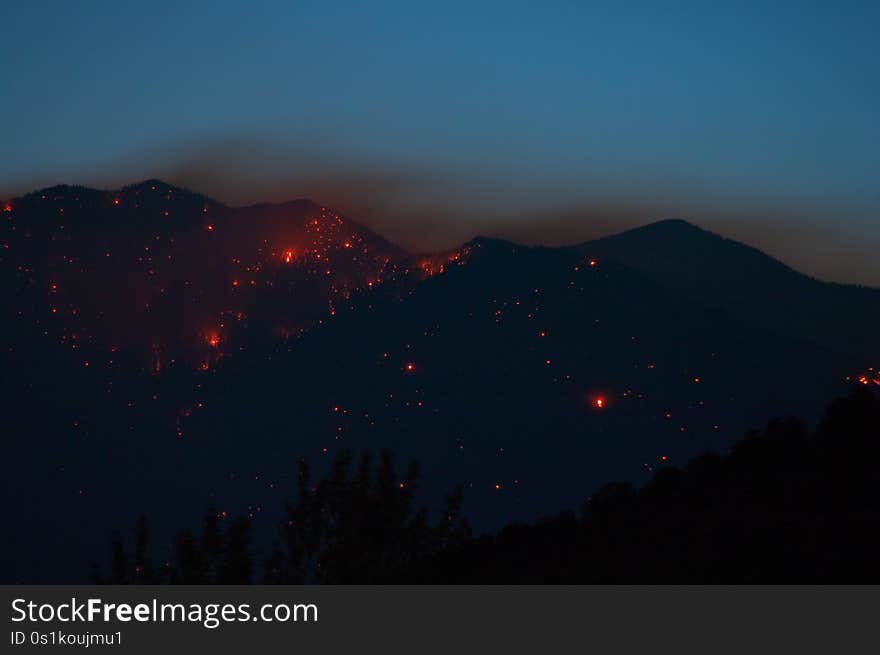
(749, 285)
(786, 505)
(528, 376)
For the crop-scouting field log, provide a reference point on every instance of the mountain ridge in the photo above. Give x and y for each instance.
(747, 282)
(662, 229)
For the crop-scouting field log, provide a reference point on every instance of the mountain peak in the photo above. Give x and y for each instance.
(677, 246)
(160, 187)
(60, 191)
(150, 183)
(673, 223)
(676, 227)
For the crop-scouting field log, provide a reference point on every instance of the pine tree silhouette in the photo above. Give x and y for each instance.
(782, 505)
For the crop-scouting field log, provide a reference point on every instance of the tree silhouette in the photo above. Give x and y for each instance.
(360, 526)
(783, 505)
(356, 525)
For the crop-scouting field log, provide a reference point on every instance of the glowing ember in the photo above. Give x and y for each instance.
(409, 367)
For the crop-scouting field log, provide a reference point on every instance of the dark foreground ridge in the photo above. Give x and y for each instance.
(785, 505)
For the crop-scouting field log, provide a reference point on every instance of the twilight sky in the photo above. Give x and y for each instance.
(546, 122)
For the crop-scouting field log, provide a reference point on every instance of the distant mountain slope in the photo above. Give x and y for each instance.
(159, 274)
(749, 284)
(528, 375)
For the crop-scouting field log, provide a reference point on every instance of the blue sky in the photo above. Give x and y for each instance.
(545, 122)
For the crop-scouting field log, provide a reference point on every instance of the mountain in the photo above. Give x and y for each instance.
(158, 274)
(750, 285)
(529, 376)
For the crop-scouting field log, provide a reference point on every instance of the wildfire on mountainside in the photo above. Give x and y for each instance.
(868, 377)
(146, 287)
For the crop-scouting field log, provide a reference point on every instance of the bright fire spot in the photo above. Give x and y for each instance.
(592, 262)
(7, 207)
(497, 487)
(410, 367)
(213, 339)
(210, 228)
(288, 256)
(599, 402)
(115, 201)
